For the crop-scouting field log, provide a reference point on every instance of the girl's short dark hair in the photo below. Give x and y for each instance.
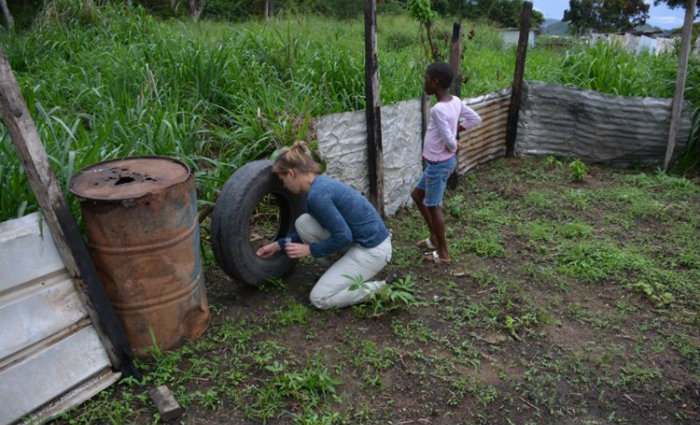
(442, 72)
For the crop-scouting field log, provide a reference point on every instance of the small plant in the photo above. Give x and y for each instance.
(273, 283)
(456, 206)
(578, 199)
(578, 170)
(294, 313)
(510, 326)
(552, 160)
(390, 297)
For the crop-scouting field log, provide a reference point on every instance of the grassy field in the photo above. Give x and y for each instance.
(573, 298)
(217, 95)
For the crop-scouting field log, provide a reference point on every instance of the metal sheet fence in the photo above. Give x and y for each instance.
(595, 127)
(487, 141)
(554, 120)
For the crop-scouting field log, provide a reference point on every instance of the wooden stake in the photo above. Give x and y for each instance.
(677, 104)
(455, 88)
(58, 217)
(373, 113)
(456, 58)
(517, 88)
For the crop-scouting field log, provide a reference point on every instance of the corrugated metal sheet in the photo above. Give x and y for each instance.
(342, 143)
(596, 127)
(50, 355)
(487, 141)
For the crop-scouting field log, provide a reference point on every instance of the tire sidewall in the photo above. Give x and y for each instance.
(231, 223)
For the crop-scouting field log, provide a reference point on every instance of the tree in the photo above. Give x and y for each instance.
(504, 12)
(196, 9)
(420, 10)
(605, 15)
(9, 21)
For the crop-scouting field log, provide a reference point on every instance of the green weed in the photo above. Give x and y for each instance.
(578, 170)
(456, 206)
(401, 293)
(594, 261)
(293, 313)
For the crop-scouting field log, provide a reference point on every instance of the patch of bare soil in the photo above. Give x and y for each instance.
(501, 336)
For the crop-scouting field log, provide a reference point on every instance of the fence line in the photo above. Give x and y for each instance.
(554, 120)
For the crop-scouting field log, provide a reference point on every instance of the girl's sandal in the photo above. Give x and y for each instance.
(425, 244)
(433, 257)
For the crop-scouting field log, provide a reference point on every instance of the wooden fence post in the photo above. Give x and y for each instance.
(456, 58)
(517, 88)
(677, 104)
(372, 109)
(60, 221)
(455, 88)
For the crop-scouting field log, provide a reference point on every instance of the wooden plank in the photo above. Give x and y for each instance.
(677, 104)
(516, 93)
(60, 221)
(372, 109)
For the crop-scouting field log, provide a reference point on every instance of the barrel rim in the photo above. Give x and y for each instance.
(82, 196)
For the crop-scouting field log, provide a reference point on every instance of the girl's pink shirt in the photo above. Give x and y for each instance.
(440, 142)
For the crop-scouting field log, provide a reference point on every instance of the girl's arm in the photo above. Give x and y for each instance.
(468, 118)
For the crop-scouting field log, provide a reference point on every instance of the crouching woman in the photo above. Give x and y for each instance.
(337, 218)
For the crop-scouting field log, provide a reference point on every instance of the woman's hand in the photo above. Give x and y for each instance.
(297, 250)
(268, 250)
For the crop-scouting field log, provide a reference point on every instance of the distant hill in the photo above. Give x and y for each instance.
(557, 27)
(554, 27)
(650, 29)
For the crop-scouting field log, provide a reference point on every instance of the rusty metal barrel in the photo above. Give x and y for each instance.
(141, 221)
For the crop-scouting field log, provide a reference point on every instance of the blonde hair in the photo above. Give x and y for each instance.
(299, 157)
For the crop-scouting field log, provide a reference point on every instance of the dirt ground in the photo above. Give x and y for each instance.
(568, 302)
(501, 336)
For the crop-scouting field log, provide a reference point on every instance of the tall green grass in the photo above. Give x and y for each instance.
(111, 81)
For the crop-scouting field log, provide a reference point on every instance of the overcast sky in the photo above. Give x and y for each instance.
(659, 16)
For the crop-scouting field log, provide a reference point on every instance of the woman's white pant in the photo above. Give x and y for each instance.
(356, 266)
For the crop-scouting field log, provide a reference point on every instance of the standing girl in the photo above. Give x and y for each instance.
(439, 150)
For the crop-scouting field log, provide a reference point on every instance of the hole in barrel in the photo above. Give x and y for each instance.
(124, 180)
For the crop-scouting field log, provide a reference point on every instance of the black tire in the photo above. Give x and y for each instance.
(230, 224)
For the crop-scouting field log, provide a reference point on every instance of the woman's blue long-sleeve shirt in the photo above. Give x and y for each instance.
(347, 215)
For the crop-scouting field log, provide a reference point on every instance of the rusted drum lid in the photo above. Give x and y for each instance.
(128, 178)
